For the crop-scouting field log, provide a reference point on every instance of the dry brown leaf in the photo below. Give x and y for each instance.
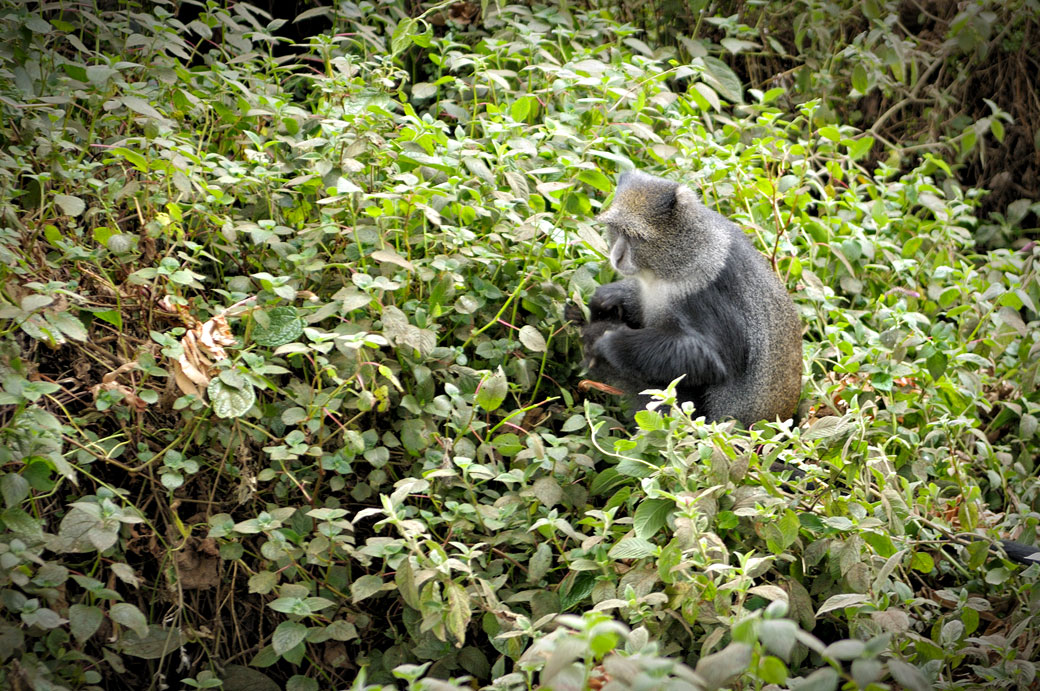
(109, 383)
(201, 346)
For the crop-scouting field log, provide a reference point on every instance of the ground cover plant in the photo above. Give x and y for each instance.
(288, 398)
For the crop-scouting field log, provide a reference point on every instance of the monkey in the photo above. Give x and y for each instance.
(695, 299)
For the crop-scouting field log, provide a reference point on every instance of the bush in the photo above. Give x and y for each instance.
(288, 397)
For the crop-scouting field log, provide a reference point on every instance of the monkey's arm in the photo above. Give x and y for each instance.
(657, 357)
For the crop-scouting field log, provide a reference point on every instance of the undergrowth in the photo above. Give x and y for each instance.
(288, 399)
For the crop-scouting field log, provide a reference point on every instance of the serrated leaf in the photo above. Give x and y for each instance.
(829, 426)
(229, 401)
(287, 636)
(532, 339)
(14, 488)
(723, 79)
(405, 581)
(73, 531)
(539, 563)
(632, 548)
(459, 612)
(141, 107)
(364, 587)
(84, 621)
(547, 490)
(651, 515)
(284, 325)
(21, 523)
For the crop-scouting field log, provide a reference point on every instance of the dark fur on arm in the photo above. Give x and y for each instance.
(656, 357)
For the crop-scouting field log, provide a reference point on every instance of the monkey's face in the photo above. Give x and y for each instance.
(652, 229)
(624, 251)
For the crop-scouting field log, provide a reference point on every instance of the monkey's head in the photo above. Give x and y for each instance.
(659, 227)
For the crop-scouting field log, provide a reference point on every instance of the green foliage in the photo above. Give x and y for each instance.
(286, 382)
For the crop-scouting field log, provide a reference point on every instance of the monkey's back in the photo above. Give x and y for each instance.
(749, 312)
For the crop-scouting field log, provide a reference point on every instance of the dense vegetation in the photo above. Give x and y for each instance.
(288, 400)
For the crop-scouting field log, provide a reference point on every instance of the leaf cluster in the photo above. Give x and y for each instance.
(288, 397)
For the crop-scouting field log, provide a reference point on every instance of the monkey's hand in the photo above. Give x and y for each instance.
(610, 302)
(573, 314)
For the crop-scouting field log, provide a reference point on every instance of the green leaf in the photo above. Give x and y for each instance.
(997, 128)
(365, 587)
(842, 601)
(908, 676)
(723, 79)
(651, 515)
(936, 363)
(923, 562)
(262, 582)
(825, 679)
(539, 564)
(230, 401)
(69, 325)
(830, 132)
(401, 39)
(135, 159)
(298, 682)
(70, 206)
(158, 642)
(859, 79)
(532, 339)
(14, 488)
(858, 148)
(404, 578)
(492, 391)
(287, 636)
(141, 107)
(77, 72)
(284, 326)
(718, 668)
(632, 548)
(84, 621)
(129, 616)
(596, 179)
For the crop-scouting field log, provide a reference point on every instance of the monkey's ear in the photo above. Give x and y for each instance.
(686, 197)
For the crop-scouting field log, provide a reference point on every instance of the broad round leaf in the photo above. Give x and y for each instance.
(284, 326)
(229, 401)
